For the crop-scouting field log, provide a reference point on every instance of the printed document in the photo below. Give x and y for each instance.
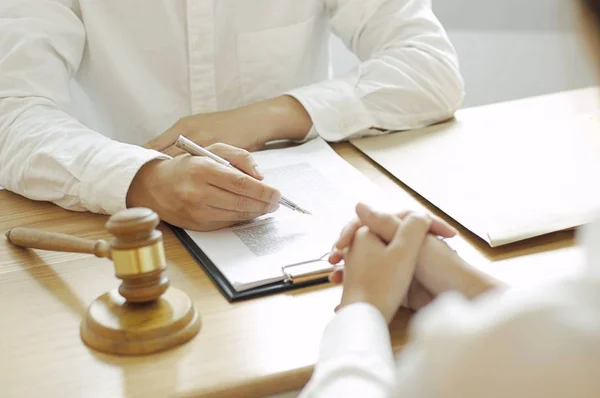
(317, 179)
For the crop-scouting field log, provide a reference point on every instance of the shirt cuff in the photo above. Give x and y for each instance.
(108, 175)
(337, 112)
(359, 327)
(312, 133)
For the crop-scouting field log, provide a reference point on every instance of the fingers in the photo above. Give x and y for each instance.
(384, 225)
(239, 158)
(442, 228)
(417, 297)
(163, 141)
(226, 200)
(365, 242)
(347, 234)
(239, 183)
(337, 277)
(207, 226)
(336, 256)
(173, 151)
(409, 237)
(381, 224)
(216, 215)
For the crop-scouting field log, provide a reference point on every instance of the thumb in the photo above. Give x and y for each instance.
(173, 151)
(381, 224)
(337, 277)
(410, 236)
(417, 296)
(239, 158)
(163, 141)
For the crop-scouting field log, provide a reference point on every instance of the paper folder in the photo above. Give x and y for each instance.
(507, 172)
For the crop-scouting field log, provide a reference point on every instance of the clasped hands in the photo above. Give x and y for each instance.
(381, 253)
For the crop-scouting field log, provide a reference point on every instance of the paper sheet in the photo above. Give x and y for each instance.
(506, 179)
(317, 179)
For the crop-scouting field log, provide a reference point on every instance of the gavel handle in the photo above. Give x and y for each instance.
(44, 240)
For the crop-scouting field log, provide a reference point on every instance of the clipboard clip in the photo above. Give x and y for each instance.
(307, 271)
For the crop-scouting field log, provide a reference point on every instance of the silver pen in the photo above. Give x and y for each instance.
(194, 149)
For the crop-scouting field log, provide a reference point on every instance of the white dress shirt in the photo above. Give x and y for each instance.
(83, 83)
(542, 342)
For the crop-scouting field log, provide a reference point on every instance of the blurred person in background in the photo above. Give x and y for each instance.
(478, 338)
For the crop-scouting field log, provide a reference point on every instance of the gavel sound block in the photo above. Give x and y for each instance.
(144, 315)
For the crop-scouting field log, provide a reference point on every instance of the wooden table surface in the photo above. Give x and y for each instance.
(251, 348)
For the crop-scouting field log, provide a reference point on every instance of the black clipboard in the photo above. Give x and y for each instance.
(223, 284)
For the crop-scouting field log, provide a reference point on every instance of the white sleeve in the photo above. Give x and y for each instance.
(518, 343)
(355, 358)
(45, 154)
(408, 76)
(521, 343)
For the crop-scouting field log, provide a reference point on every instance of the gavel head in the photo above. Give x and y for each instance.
(138, 254)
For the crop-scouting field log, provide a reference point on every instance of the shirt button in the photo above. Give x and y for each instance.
(344, 126)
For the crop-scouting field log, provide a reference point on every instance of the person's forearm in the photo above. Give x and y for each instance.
(47, 155)
(408, 77)
(439, 272)
(286, 118)
(249, 127)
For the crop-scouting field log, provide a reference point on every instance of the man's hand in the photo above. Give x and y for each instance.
(195, 192)
(249, 127)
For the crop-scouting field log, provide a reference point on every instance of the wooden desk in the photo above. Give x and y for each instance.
(253, 348)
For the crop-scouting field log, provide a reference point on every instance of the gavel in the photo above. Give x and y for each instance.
(144, 315)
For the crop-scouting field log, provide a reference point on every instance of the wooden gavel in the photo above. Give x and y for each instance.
(54, 241)
(146, 315)
(136, 250)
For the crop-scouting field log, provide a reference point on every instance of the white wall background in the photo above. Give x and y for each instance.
(508, 49)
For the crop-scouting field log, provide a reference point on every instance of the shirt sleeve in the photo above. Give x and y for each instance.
(408, 76)
(45, 153)
(355, 358)
(540, 342)
(533, 342)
